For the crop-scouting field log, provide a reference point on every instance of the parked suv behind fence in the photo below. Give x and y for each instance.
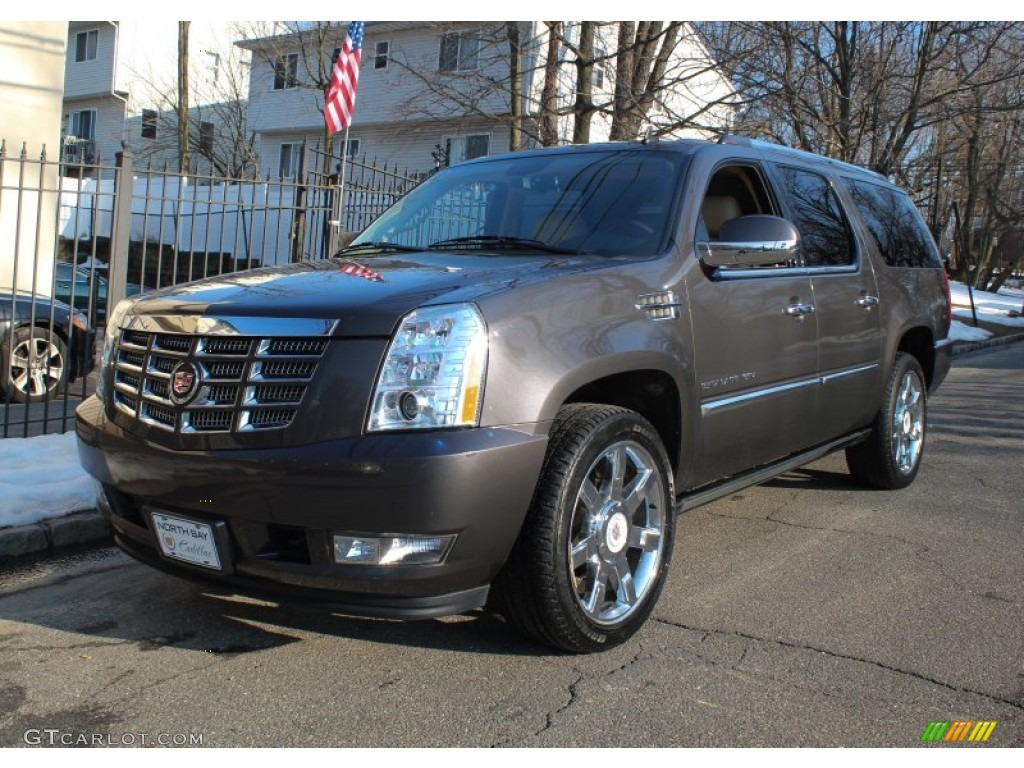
(510, 384)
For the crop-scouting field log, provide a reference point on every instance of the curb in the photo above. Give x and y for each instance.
(77, 529)
(89, 528)
(963, 347)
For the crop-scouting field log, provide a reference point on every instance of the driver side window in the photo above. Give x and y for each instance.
(734, 190)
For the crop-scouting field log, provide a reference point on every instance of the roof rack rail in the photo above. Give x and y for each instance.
(739, 141)
(744, 141)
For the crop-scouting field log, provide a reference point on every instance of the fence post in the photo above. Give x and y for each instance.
(120, 236)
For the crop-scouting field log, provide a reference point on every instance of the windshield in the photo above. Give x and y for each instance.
(608, 203)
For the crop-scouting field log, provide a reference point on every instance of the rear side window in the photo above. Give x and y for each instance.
(896, 226)
(825, 236)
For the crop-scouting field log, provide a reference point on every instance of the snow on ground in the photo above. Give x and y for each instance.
(960, 332)
(992, 307)
(40, 477)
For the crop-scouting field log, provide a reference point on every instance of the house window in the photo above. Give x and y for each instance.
(460, 52)
(599, 67)
(85, 45)
(381, 51)
(213, 60)
(286, 70)
(206, 132)
(288, 166)
(149, 123)
(83, 124)
(459, 148)
(352, 149)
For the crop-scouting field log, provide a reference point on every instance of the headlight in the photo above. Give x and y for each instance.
(113, 327)
(433, 374)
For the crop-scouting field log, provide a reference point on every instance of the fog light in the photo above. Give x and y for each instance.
(392, 550)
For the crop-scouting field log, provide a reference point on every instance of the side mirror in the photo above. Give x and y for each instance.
(749, 241)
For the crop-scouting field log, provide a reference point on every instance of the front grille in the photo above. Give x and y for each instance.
(244, 383)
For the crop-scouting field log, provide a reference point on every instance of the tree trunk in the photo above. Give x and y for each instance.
(183, 153)
(515, 51)
(583, 106)
(549, 93)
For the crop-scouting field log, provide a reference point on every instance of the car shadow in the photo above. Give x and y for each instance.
(120, 601)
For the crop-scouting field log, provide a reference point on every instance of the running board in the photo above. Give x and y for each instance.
(765, 473)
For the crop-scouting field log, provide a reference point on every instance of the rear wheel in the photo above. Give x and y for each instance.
(594, 550)
(35, 365)
(891, 456)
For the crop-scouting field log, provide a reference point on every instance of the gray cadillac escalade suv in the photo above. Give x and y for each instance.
(512, 382)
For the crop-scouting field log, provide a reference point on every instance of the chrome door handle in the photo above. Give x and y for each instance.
(799, 310)
(866, 301)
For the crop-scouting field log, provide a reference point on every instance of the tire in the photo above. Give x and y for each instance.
(595, 548)
(891, 456)
(35, 365)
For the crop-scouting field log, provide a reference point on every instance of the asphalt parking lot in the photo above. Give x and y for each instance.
(806, 611)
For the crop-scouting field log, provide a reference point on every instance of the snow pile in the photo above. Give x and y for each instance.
(40, 477)
(960, 332)
(991, 307)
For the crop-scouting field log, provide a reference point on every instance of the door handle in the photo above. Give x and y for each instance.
(799, 311)
(866, 301)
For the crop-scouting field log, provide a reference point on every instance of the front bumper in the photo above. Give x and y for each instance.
(276, 509)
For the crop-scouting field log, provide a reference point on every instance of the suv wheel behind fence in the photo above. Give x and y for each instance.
(35, 365)
(595, 548)
(890, 457)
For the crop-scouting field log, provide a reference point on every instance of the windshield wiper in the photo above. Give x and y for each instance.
(376, 246)
(503, 241)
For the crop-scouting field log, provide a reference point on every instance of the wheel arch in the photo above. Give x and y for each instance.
(651, 392)
(920, 343)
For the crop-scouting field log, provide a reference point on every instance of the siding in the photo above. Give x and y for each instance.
(109, 123)
(32, 59)
(407, 147)
(90, 78)
(398, 93)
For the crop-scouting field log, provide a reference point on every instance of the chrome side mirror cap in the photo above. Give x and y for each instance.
(749, 241)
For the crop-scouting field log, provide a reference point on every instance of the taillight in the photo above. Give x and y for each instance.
(949, 301)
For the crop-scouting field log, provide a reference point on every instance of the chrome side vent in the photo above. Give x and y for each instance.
(663, 305)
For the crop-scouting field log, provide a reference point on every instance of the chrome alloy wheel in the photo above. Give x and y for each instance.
(616, 536)
(908, 423)
(37, 366)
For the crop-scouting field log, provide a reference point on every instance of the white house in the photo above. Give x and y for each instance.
(430, 85)
(120, 83)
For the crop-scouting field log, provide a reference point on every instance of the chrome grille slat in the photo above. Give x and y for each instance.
(247, 383)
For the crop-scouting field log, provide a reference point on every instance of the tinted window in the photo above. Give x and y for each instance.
(825, 236)
(895, 225)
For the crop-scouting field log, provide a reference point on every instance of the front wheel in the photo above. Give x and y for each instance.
(891, 456)
(595, 548)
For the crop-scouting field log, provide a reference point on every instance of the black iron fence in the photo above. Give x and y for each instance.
(82, 235)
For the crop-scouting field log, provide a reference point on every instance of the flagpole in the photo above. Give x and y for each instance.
(341, 182)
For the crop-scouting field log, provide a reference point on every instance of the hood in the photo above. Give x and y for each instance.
(367, 295)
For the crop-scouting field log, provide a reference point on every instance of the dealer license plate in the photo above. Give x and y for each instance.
(186, 540)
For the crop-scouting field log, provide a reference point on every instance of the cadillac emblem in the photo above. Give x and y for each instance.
(184, 383)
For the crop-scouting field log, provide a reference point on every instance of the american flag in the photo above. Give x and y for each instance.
(341, 95)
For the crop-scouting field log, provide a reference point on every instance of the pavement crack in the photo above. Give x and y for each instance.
(574, 696)
(845, 657)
